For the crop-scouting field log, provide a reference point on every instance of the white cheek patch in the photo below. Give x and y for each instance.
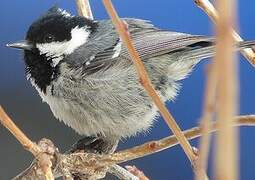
(57, 50)
(117, 50)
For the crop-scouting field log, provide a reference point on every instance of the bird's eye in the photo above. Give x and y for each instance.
(49, 38)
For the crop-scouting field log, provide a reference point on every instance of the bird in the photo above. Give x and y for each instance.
(83, 71)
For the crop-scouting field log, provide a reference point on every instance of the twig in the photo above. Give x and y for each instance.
(145, 82)
(88, 162)
(18, 134)
(121, 173)
(168, 142)
(209, 107)
(138, 173)
(84, 8)
(43, 159)
(209, 9)
(226, 166)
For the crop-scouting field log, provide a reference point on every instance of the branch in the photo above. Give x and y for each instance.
(209, 9)
(168, 142)
(209, 106)
(84, 9)
(18, 134)
(134, 170)
(226, 166)
(92, 163)
(145, 81)
(122, 173)
(43, 155)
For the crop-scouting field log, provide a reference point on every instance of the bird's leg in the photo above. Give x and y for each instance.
(95, 144)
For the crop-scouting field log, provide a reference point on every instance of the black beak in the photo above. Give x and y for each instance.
(25, 45)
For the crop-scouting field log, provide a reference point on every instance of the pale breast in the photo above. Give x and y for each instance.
(100, 115)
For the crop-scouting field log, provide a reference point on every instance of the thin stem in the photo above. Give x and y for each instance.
(226, 167)
(209, 9)
(18, 134)
(121, 173)
(80, 162)
(147, 148)
(144, 80)
(84, 8)
(168, 142)
(209, 108)
(43, 158)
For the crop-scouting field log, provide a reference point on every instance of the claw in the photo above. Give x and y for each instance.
(94, 144)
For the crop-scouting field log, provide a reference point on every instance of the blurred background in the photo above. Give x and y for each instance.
(35, 118)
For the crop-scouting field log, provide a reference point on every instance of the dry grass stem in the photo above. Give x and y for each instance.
(122, 173)
(207, 116)
(209, 9)
(87, 162)
(226, 145)
(144, 80)
(138, 173)
(18, 134)
(84, 8)
(168, 142)
(27, 144)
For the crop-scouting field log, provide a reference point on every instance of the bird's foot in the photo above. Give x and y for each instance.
(95, 144)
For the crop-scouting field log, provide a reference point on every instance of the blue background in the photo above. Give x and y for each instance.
(24, 105)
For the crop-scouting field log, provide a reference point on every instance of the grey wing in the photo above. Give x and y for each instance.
(149, 41)
(164, 42)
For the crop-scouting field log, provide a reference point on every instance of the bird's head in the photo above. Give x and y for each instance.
(55, 35)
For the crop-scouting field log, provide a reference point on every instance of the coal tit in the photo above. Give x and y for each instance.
(81, 68)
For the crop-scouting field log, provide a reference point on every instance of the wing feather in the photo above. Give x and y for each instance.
(148, 41)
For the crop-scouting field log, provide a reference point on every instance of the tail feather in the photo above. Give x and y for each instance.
(209, 51)
(245, 44)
